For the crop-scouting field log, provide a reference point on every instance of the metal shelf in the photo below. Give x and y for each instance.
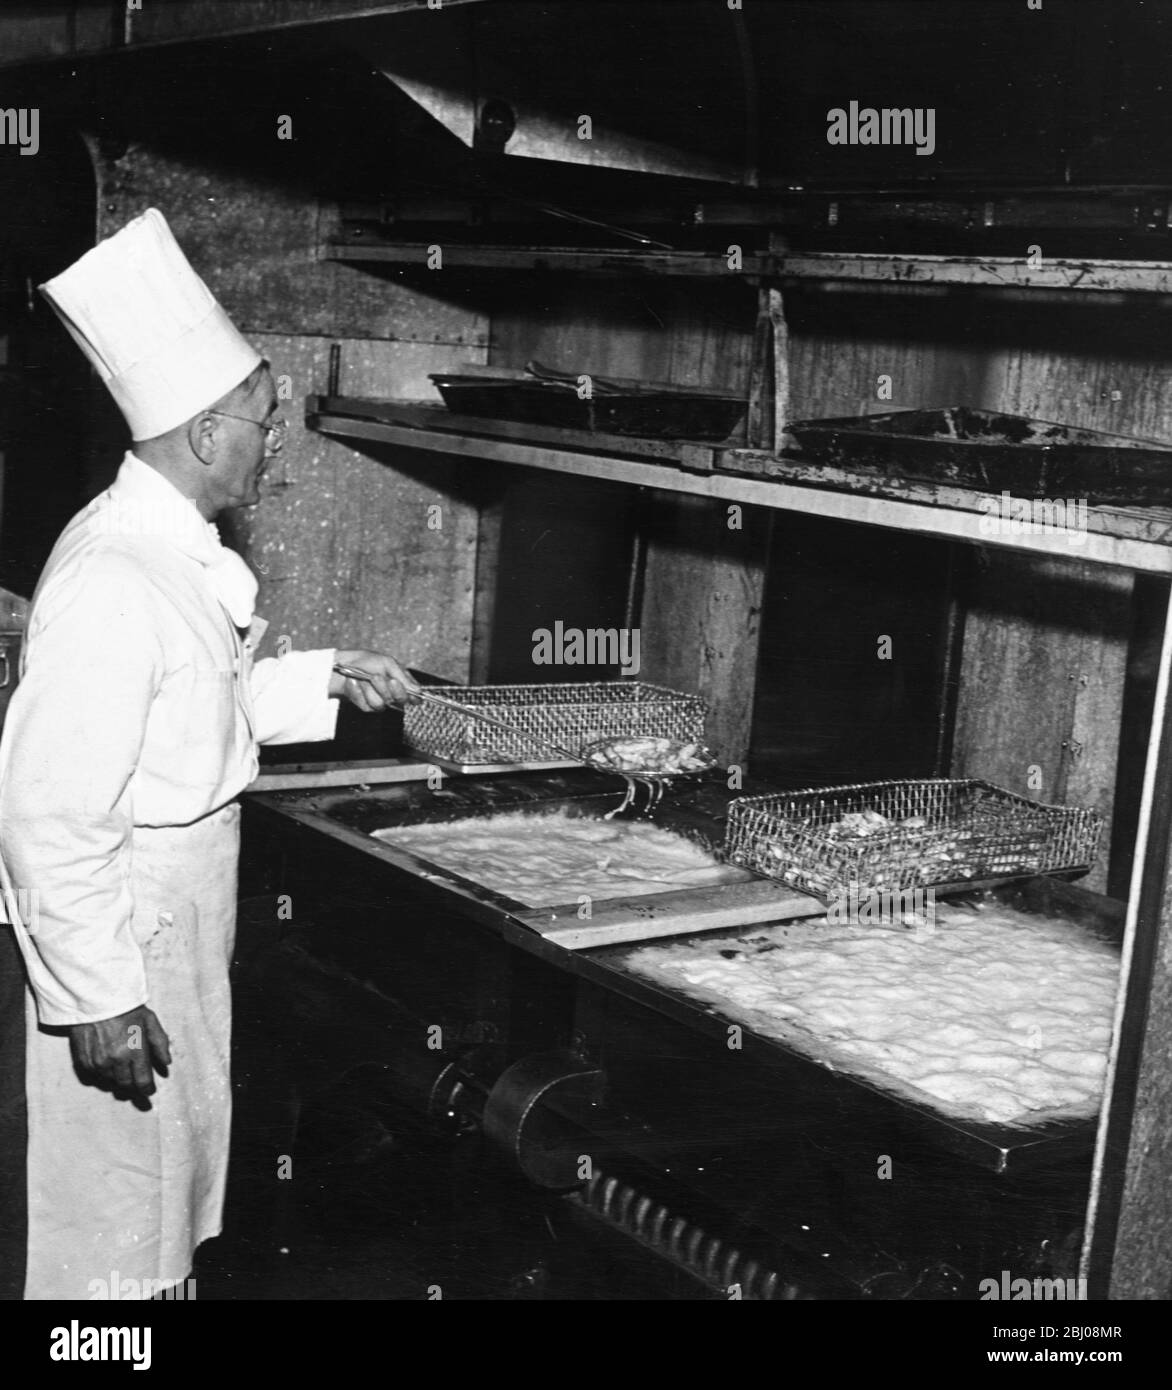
(1137, 539)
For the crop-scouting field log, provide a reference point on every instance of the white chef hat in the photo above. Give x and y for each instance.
(162, 345)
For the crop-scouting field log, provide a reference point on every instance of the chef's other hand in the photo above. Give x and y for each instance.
(389, 683)
(122, 1054)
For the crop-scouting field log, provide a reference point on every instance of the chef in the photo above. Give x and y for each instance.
(133, 730)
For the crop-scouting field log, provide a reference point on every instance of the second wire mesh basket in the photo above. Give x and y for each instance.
(891, 836)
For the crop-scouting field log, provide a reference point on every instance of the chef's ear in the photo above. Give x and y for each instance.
(201, 436)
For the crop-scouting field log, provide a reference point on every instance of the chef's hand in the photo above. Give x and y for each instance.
(122, 1054)
(389, 683)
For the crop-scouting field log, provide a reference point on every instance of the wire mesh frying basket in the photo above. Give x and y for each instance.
(891, 836)
(573, 715)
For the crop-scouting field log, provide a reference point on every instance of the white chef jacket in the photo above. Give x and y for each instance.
(139, 705)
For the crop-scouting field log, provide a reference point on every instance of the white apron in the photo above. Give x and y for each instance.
(152, 1181)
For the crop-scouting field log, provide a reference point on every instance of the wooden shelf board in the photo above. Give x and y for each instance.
(998, 272)
(1149, 524)
(654, 915)
(600, 260)
(424, 415)
(357, 772)
(1128, 539)
(1072, 275)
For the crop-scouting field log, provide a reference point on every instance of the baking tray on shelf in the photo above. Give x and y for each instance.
(994, 452)
(639, 411)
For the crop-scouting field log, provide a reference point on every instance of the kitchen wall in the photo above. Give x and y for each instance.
(342, 542)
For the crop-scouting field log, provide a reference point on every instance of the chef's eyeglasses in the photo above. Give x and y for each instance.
(274, 433)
